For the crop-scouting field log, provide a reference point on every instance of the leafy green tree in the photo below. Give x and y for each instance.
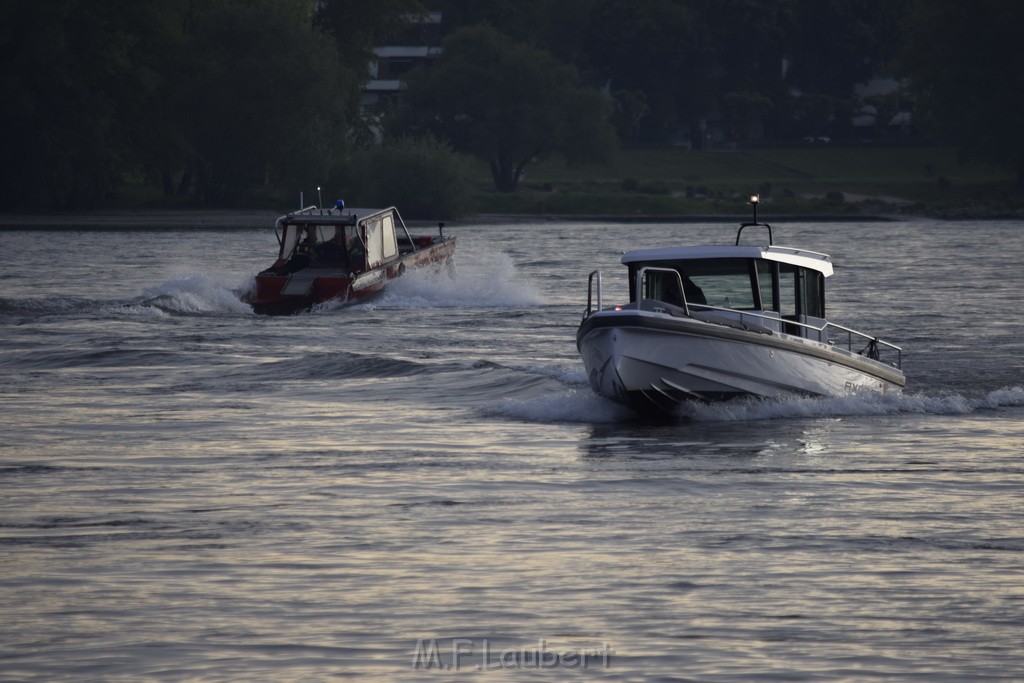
(967, 70)
(506, 103)
(630, 110)
(359, 25)
(558, 27)
(646, 48)
(833, 44)
(742, 110)
(262, 104)
(70, 72)
(687, 56)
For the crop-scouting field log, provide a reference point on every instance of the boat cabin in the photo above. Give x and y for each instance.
(352, 240)
(778, 288)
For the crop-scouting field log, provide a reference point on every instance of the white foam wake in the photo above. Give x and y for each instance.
(478, 279)
(584, 406)
(862, 404)
(191, 294)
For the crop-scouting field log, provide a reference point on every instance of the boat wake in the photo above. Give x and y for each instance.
(864, 404)
(194, 294)
(583, 406)
(477, 280)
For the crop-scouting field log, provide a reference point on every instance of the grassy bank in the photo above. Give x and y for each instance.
(812, 180)
(819, 179)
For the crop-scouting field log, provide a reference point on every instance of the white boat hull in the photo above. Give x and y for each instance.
(652, 362)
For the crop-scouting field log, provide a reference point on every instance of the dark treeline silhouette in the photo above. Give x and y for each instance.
(225, 101)
(218, 100)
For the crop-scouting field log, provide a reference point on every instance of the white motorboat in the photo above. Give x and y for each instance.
(710, 323)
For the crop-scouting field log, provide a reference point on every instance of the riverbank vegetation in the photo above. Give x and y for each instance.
(517, 106)
(811, 180)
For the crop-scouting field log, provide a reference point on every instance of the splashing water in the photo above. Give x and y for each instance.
(479, 279)
(194, 294)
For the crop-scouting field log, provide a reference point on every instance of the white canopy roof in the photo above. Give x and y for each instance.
(797, 257)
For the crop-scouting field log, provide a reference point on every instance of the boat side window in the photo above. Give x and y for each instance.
(802, 292)
(374, 233)
(787, 291)
(291, 236)
(390, 244)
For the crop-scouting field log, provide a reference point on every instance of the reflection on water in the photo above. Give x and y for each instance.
(192, 491)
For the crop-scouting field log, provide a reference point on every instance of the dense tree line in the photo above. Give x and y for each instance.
(216, 99)
(222, 100)
(967, 74)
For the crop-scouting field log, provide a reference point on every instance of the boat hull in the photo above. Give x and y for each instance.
(653, 362)
(284, 294)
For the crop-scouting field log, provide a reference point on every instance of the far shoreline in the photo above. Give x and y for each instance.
(223, 219)
(226, 219)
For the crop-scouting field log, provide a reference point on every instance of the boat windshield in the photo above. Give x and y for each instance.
(723, 282)
(746, 284)
(726, 283)
(294, 233)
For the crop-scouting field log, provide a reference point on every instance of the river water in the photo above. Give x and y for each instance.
(191, 491)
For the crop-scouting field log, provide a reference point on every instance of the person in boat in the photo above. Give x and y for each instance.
(356, 254)
(672, 295)
(303, 254)
(694, 294)
(332, 252)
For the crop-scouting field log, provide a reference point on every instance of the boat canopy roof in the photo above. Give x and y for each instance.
(314, 216)
(374, 229)
(791, 255)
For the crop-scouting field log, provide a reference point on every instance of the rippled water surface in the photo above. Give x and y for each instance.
(190, 491)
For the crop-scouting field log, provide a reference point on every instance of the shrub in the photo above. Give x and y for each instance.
(423, 177)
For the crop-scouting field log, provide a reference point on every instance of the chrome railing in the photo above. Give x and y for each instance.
(870, 350)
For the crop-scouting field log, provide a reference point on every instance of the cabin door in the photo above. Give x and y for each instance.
(801, 299)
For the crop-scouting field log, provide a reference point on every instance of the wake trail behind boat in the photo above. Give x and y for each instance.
(581, 406)
(192, 294)
(478, 279)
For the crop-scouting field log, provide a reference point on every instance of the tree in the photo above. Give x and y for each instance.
(834, 44)
(263, 101)
(558, 27)
(630, 110)
(359, 25)
(241, 95)
(423, 177)
(967, 72)
(743, 110)
(646, 48)
(70, 71)
(506, 103)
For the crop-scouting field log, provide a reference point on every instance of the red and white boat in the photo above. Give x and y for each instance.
(341, 255)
